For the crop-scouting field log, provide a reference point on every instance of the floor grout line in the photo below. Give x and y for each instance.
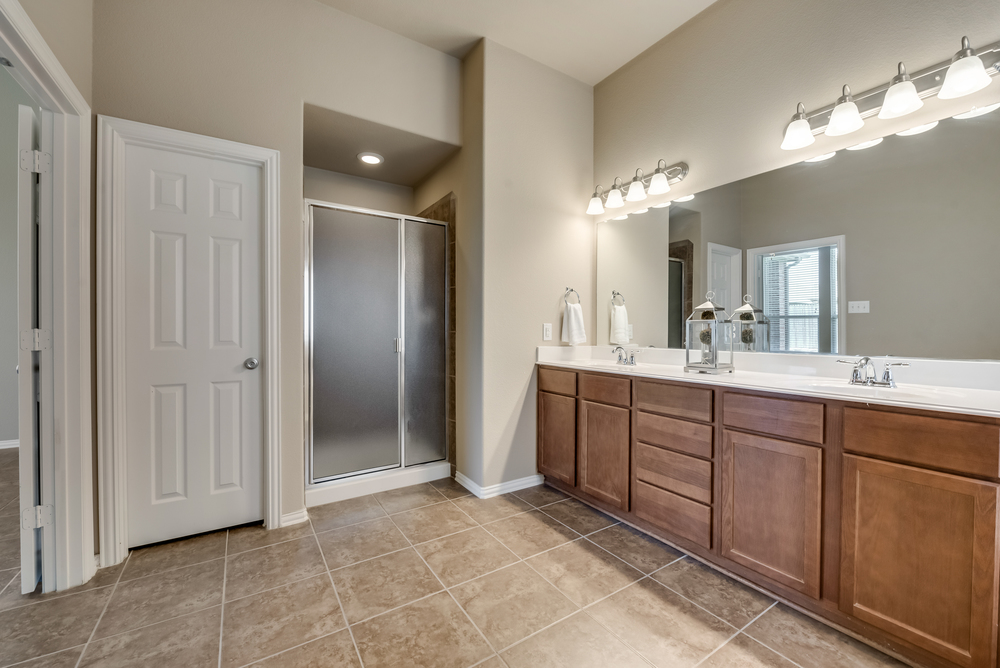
(12, 578)
(104, 610)
(222, 613)
(738, 632)
(340, 603)
(44, 656)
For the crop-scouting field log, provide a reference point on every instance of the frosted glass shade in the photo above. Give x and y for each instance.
(615, 200)
(658, 184)
(636, 193)
(965, 76)
(798, 134)
(844, 120)
(901, 99)
(596, 207)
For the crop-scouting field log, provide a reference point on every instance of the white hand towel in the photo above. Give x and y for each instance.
(572, 329)
(619, 324)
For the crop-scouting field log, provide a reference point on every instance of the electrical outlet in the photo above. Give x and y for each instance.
(858, 307)
(547, 331)
(630, 337)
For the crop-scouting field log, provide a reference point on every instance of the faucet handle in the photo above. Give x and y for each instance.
(887, 372)
(854, 362)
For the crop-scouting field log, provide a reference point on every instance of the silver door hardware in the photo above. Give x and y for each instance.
(251, 363)
(36, 161)
(36, 339)
(397, 345)
(37, 517)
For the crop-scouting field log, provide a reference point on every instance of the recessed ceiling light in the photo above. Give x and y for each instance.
(686, 198)
(865, 144)
(620, 217)
(977, 111)
(821, 158)
(640, 211)
(661, 206)
(371, 158)
(920, 129)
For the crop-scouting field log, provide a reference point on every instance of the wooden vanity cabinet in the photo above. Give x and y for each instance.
(603, 445)
(557, 424)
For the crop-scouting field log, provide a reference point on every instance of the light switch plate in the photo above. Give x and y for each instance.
(547, 331)
(858, 307)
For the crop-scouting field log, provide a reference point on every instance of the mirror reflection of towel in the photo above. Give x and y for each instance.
(619, 325)
(572, 329)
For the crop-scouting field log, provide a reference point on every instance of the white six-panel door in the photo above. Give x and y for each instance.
(192, 241)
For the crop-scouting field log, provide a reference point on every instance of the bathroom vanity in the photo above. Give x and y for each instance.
(874, 511)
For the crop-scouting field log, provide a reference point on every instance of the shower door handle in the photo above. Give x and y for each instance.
(397, 345)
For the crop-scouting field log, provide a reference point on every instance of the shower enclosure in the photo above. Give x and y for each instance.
(376, 341)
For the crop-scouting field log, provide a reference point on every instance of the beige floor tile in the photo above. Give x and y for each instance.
(258, 626)
(430, 522)
(250, 538)
(530, 533)
(540, 495)
(662, 626)
(374, 586)
(744, 652)
(163, 596)
(9, 494)
(176, 554)
(333, 651)
(358, 542)
(344, 513)
(65, 659)
(465, 556)
(431, 633)
(12, 596)
(13, 506)
(493, 509)
(577, 642)
(492, 662)
(809, 643)
(10, 553)
(50, 626)
(408, 498)
(579, 516)
(450, 488)
(583, 571)
(722, 596)
(511, 604)
(186, 642)
(9, 526)
(254, 571)
(636, 548)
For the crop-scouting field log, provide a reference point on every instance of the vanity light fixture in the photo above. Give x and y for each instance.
(845, 118)
(596, 207)
(620, 217)
(865, 144)
(615, 200)
(821, 158)
(370, 158)
(686, 198)
(977, 111)
(661, 205)
(658, 183)
(965, 75)
(636, 191)
(918, 130)
(798, 134)
(901, 98)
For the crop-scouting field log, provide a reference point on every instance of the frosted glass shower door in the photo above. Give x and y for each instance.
(355, 336)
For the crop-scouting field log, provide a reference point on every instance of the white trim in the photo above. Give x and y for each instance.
(735, 274)
(298, 517)
(113, 134)
(67, 474)
(502, 488)
(373, 483)
(9, 445)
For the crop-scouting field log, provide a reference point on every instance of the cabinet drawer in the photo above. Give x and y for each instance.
(693, 403)
(965, 447)
(687, 437)
(681, 474)
(800, 420)
(673, 513)
(606, 389)
(554, 380)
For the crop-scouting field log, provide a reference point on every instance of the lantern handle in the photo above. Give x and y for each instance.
(710, 295)
(747, 298)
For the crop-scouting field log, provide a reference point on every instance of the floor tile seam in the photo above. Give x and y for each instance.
(336, 594)
(52, 598)
(263, 547)
(168, 570)
(365, 561)
(518, 514)
(431, 540)
(394, 609)
(382, 506)
(768, 647)
(584, 537)
(352, 524)
(693, 602)
(544, 505)
(737, 634)
(283, 584)
(222, 613)
(17, 571)
(495, 656)
(285, 651)
(43, 656)
(628, 645)
(410, 510)
(156, 623)
(535, 633)
(107, 603)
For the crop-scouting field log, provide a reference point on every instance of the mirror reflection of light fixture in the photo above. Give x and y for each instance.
(965, 75)
(845, 118)
(661, 205)
(615, 200)
(596, 207)
(658, 183)
(798, 134)
(901, 98)
(620, 217)
(636, 191)
(865, 144)
(918, 130)
(821, 158)
(637, 211)
(977, 111)
(686, 198)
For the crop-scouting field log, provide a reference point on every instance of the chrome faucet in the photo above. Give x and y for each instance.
(864, 372)
(625, 357)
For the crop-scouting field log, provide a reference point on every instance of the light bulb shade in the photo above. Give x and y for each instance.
(659, 184)
(964, 77)
(844, 120)
(596, 207)
(901, 99)
(636, 193)
(615, 200)
(798, 134)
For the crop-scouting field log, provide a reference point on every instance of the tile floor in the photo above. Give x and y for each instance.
(423, 576)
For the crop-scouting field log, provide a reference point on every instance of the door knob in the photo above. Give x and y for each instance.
(251, 363)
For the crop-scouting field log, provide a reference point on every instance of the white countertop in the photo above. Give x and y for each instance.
(800, 377)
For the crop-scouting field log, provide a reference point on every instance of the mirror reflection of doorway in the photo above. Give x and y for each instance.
(675, 304)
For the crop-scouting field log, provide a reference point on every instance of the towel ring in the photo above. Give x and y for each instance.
(615, 293)
(571, 290)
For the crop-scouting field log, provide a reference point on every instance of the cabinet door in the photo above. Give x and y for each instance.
(920, 557)
(557, 436)
(771, 508)
(604, 447)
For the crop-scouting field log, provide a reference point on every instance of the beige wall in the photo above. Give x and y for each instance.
(242, 70)
(68, 28)
(356, 191)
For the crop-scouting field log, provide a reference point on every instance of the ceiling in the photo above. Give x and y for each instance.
(586, 39)
(332, 140)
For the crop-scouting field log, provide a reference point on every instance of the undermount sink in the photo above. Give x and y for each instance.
(903, 392)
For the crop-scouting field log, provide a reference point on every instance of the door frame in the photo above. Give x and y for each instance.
(735, 273)
(113, 136)
(66, 473)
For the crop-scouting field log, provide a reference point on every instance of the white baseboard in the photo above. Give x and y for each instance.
(4, 445)
(298, 517)
(372, 483)
(502, 488)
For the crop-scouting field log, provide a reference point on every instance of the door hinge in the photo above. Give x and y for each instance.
(37, 517)
(36, 339)
(36, 161)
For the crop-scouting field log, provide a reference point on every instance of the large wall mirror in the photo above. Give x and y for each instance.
(890, 249)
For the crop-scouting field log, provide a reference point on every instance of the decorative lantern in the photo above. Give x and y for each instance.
(753, 328)
(709, 339)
